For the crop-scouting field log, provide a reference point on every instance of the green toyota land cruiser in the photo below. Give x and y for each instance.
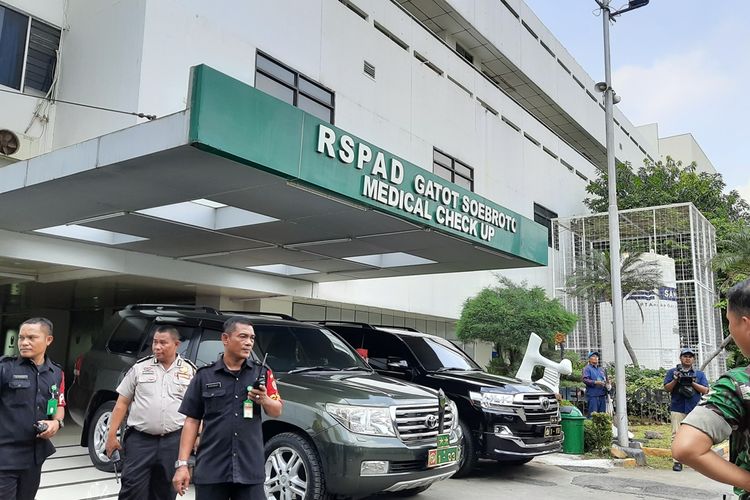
(354, 432)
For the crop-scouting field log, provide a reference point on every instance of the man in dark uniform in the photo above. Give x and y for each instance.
(32, 409)
(152, 390)
(230, 459)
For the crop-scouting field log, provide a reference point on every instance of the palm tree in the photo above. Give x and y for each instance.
(734, 259)
(593, 281)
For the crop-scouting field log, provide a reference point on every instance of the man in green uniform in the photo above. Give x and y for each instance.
(724, 412)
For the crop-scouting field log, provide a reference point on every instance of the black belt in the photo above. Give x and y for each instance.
(165, 435)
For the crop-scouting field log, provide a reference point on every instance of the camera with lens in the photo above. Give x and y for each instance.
(685, 379)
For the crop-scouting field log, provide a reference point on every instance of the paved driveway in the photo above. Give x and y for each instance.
(69, 475)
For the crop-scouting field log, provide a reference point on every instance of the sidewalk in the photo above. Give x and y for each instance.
(651, 483)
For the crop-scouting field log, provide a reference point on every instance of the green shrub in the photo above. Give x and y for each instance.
(645, 394)
(597, 433)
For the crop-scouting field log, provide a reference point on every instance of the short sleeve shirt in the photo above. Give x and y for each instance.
(156, 394)
(680, 403)
(25, 390)
(724, 410)
(231, 446)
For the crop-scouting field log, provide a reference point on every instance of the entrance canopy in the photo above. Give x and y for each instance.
(244, 181)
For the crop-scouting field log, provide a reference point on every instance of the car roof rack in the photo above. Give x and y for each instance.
(406, 328)
(172, 307)
(259, 313)
(348, 323)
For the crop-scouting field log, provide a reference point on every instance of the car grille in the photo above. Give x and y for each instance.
(418, 424)
(407, 466)
(534, 410)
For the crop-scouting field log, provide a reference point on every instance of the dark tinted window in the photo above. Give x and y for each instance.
(544, 217)
(381, 346)
(128, 337)
(435, 353)
(13, 28)
(186, 335)
(291, 347)
(210, 347)
(287, 84)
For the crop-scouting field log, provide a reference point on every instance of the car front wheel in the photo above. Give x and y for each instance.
(98, 429)
(293, 469)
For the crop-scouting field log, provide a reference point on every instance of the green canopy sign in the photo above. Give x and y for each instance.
(238, 121)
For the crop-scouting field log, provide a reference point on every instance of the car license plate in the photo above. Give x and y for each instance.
(552, 430)
(442, 456)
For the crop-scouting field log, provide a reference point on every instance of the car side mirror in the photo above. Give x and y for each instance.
(397, 365)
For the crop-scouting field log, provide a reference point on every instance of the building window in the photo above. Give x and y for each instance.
(453, 170)
(28, 52)
(544, 217)
(282, 82)
(465, 54)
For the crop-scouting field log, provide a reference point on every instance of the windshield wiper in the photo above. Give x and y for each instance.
(315, 368)
(454, 369)
(357, 368)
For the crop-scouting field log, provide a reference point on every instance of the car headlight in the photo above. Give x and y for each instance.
(454, 412)
(492, 399)
(375, 421)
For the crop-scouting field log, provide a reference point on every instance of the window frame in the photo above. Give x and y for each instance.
(452, 168)
(296, 89)
(547, 215)
(29, 20)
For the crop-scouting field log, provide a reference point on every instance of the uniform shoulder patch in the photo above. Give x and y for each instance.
(190, 363)
(144, 359)
(7, 359)
(206, 366)
(56, 364)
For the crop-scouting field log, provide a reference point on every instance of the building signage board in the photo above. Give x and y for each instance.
(236, 120)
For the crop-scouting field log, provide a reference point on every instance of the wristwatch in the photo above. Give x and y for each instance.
(180, 463)
(60, 421)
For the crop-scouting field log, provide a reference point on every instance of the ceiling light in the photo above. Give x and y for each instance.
(199, 213)
(76, 232)
(282, 269)
(209, 203)
(395, 259)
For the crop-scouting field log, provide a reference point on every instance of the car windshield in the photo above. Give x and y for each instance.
(437, 354)
(295, 348)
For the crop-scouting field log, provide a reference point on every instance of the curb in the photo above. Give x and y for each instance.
(722, 450)
(628, 463)
(657, 452)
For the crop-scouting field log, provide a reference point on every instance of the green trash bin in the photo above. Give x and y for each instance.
(572, 427)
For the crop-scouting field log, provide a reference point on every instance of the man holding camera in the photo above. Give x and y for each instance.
(686, 385)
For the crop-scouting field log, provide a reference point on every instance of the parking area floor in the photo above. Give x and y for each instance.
(69, 475)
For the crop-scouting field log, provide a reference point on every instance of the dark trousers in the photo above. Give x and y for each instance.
(148, 466)
(597, 404)
(229, 491)
(20, 484)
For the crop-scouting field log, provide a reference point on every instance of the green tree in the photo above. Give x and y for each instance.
(734, 260)
(668, 182)
(505, 315)
(593, 281)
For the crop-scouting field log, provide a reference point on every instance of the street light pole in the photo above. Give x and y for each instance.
(621, 415)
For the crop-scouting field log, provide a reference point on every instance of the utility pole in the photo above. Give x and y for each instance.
(621, 415)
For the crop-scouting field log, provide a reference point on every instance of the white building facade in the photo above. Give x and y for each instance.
(478, 93)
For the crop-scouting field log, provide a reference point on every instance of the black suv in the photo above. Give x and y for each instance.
(502, 418)
(355, 432)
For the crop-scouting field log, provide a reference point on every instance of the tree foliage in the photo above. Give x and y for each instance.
(593, 280)
(664, 183)
(505, 315)
(733, 261)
